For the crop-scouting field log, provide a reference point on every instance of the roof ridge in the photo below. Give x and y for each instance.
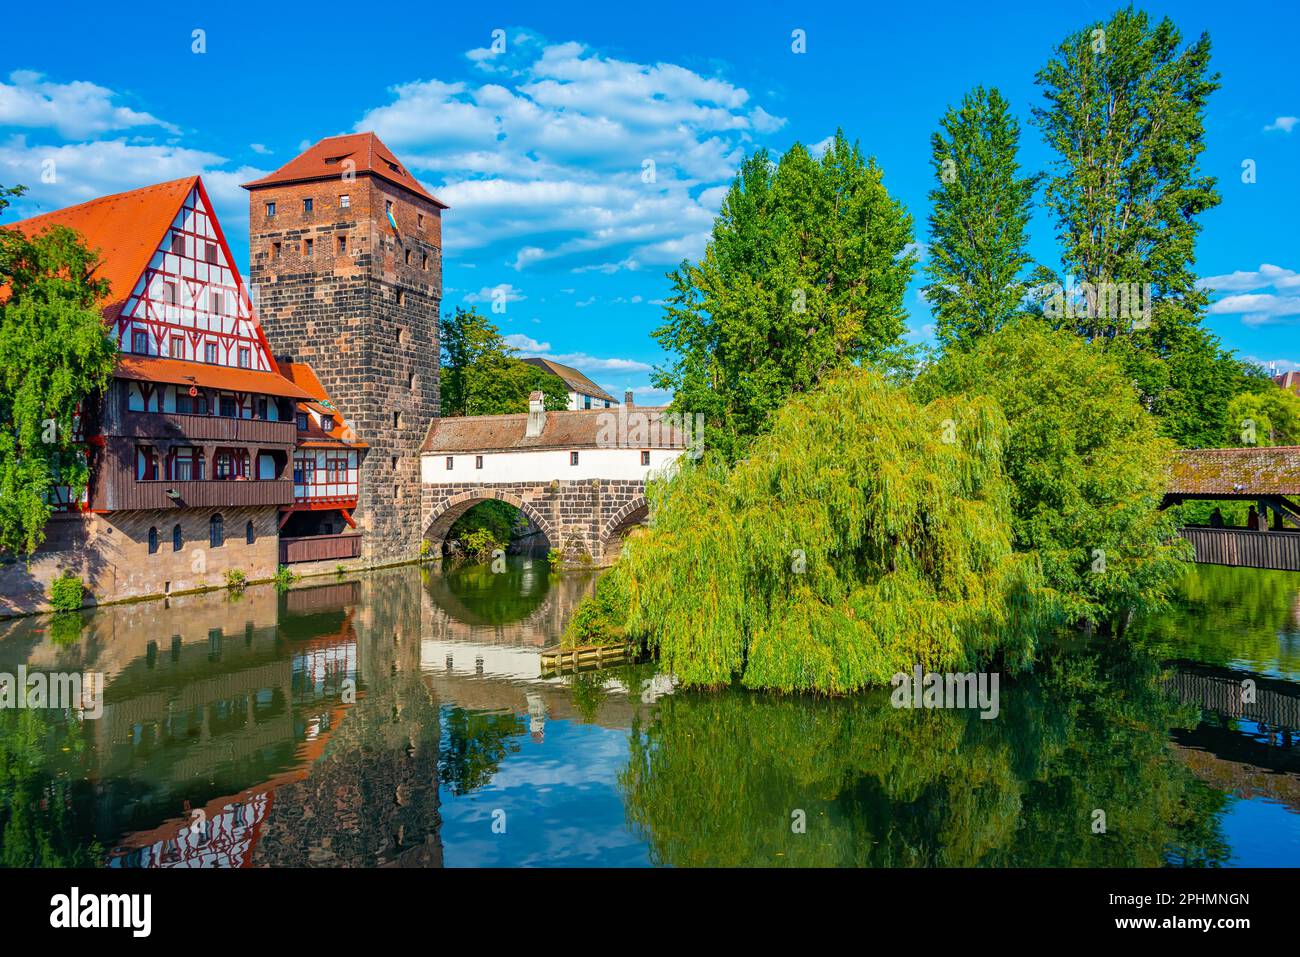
(63, 210)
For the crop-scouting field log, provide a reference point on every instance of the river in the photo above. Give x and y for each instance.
(399, 717)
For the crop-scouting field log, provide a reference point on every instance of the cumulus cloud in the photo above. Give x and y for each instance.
(559, 155)
(504, 292)
(524, 343)
(1263, 296)
(1283, 123)
(73, 110)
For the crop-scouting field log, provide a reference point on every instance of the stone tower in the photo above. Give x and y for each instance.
(345, 264)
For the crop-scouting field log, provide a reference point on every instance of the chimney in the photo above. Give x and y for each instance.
(627, 398)
(536, 415)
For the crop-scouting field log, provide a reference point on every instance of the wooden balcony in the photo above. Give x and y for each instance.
(129, 492)
(319, 548)
(178, 427)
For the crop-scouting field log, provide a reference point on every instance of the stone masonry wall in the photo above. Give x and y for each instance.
(110, 553)
(364, 315)
(581, 518)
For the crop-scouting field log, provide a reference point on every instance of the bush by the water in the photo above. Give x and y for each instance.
(863, 534)
(67, 592)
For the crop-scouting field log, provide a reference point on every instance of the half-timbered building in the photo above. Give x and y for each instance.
(194, 449)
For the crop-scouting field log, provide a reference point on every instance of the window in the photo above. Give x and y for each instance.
(345, 201)
(178, 244)
(187, 465)
(397, 420)
(306, 205)
(343, 244)
(230, 464)
(406, 256)
(216, 534)
(645, 458)
(388, 207)
(210, 252)
(169, 293)
(419, 220)
(401, 297)
(196, 404)
(586, 402)
(249, 535)
(210, 352)
(275, 250)
(424, 260)
(327, 422)
(140, 342)
(260, 408)
(153, 540)
(478, 461)
(178, 540)
(216, 302)
(270, 210)
(245, 357)
(302, 421)
(178, 347)
(607, 403)
(450, 462)
(146, 464)
(227, 407)
(573, 458)
(307, 246)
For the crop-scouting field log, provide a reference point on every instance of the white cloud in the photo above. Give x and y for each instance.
(1284, 123)
(73, 110)
(546, 159)
(525, 344)
(584, 362)
(1274, 366)
(1269, 294)
(260, 149)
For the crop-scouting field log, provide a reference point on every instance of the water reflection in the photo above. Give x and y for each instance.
(399, 719)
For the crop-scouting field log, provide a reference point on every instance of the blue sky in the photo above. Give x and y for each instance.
(541, 150)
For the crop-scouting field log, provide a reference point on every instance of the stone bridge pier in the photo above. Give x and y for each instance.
(586, 519)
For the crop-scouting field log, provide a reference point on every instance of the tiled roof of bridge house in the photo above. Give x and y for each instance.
(1241, 471)
(584, 428)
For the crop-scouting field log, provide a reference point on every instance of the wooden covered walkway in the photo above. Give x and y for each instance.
(1269, 478)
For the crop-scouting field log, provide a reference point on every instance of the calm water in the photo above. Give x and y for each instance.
(229, 738)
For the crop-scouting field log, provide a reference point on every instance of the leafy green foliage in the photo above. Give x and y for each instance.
(804, 275)
(852, 543)
(1268, 417)
(977, 255)
(1085, 460)
(236, 580)
(500, 518)
(67, 592)
(285, 578)
(56, 358)
(482, 376)
(480, 544)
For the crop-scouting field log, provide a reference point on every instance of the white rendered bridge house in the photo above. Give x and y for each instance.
(579, 476)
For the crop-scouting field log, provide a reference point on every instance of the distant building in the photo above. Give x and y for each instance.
(1289, 380)
(583, 393)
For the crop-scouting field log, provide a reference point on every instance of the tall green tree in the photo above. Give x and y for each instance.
(1086, 463)
(56, 359)
(1125, 116)
(977, 254)
(805, 274)
(481, 374)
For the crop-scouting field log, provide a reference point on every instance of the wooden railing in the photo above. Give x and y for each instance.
(1245, 548)
(132, 493)
(319, 548)
(176, 427)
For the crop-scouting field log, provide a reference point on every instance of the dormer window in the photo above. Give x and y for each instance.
(302, 421)
(327, 422)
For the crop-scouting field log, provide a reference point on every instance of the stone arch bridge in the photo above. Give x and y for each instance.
(579, 476)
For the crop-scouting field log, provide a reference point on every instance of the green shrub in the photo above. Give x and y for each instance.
(67, 592)
(554, 558)
(480, 544)
(284, 577)
(236, 580)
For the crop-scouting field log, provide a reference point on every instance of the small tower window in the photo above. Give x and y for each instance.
(275, 250)
(153, 540)
(407, 257)
(424, 260)
(397, 420)
(306, 205)
(419, 220)
(343, 244)
(345, 201)
(307, 247)
(270, 210)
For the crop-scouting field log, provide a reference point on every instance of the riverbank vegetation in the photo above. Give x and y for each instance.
(1012, 477)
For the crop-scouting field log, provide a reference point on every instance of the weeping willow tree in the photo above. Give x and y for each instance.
(863, 534)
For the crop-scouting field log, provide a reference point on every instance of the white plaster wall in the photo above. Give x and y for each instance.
(545, 465)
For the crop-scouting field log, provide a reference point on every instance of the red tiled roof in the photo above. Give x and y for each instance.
(1232, 472)
(304, 376)
(584, 428)
(127, 229)
(571, 377)
(228, 378)
(323, 160)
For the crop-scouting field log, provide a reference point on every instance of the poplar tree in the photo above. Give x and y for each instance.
(980, 210)
(804, 275)
(56, 358)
